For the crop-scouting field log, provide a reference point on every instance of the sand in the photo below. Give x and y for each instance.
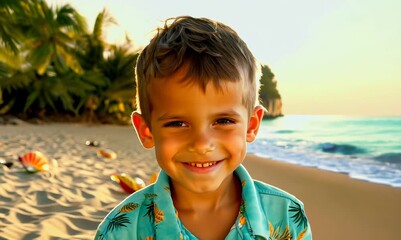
(70, 200)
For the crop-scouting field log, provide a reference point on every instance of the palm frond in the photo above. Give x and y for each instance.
(120, 220)
(150, 211)
(103, 19)
(16, 80)
(32, 97)
(298, 215)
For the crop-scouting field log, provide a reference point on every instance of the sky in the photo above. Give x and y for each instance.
(338, 57)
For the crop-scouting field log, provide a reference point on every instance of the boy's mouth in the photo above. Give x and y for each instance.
(201, 165)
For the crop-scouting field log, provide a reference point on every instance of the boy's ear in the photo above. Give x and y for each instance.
(254, 123)
(143, 131)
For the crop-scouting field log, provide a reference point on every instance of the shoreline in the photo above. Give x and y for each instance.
(325, 170)
(70, 201)
(337, 206)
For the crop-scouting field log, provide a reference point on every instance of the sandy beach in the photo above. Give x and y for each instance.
(70, 200)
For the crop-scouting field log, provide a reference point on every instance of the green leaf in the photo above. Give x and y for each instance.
(31, 98)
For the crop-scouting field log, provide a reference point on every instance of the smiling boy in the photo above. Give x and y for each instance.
(197, 89)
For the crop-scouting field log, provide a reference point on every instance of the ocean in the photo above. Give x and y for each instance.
(365, 148)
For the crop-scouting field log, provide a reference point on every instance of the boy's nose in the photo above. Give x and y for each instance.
(201, 143)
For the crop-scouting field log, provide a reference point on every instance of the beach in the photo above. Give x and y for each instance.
(71, 199)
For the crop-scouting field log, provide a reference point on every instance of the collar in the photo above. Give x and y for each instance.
(168, 224)
(166, 220)
(253, 208)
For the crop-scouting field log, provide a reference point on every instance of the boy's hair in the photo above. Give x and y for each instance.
(211, 50)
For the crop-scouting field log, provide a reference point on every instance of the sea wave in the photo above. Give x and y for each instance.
(284, 131)
(345, 149)
(389, 158)
(365, 148)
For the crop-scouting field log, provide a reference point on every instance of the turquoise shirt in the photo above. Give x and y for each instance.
(265, 213)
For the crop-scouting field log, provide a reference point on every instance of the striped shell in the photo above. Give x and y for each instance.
(127, 183)
(107, 153)
(34, 161)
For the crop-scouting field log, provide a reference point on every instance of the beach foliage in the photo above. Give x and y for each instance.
(268, 88)
(52, 65)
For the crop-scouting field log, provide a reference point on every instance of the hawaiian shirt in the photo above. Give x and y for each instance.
(266, 212)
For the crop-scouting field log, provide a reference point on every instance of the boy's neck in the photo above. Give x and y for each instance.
(228, 193)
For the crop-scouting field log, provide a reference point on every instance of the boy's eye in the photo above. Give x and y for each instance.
(175, 124)
(224, 121)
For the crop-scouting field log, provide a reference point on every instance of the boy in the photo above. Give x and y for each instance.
(197, 89)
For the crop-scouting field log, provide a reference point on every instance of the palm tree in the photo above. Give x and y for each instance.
(12, 67)
(48, 49)
(114, 66)
(119, 67)
(53, 36)
(10, 34)
(56, 65)
(95, 45)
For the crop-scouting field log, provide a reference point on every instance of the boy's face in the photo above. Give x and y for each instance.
(199, 138)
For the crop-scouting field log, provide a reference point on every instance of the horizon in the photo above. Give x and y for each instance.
(329, 57)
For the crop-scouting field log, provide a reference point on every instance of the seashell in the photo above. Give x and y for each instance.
(128, 184)
(34, 161)
(106, 153)
(5, 163)
(91, 143)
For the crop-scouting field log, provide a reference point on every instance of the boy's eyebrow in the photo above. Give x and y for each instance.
(166, 116)
(228, 113)
(231, 113)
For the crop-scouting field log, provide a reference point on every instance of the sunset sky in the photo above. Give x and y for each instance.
(338, 57)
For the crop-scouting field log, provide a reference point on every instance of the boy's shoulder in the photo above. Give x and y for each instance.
(265, 191)
(284, 212)
(272, 211)
(130, 218)
(135, 200)
(270, 191)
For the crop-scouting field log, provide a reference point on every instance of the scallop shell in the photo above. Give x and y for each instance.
(34, 161)
(107, 153)
(128, 184)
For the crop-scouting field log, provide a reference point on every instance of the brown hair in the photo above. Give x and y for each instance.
(212, 50)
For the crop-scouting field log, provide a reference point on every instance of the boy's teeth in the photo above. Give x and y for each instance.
(202, 165)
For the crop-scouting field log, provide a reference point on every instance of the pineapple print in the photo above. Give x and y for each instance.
(129, 207)
(120, 219)
(158, 213)
(150, 195)
(242, 221)
(301, 234)
(276, 234)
